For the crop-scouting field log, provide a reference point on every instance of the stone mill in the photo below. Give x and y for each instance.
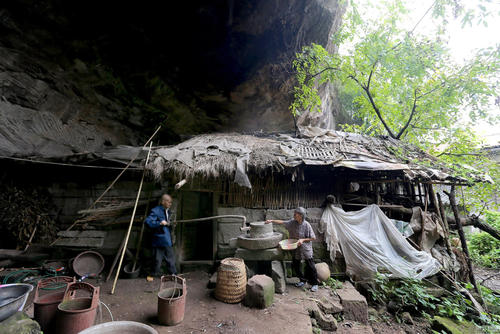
(258, 246)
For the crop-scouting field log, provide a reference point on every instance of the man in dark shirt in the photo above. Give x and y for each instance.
(300, 229)
(161, 226)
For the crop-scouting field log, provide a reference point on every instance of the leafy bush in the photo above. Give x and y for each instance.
(455, 306)
(407, 293)
(484, 249)
(333, 283)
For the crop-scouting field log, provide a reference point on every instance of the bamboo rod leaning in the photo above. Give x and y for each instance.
(131, 222)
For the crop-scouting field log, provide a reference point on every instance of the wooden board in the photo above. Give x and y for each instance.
(80, 242)
(82, 234)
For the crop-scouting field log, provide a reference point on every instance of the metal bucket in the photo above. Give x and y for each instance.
(171, 300)
(45, 306)
(120, 327)
(12, 298)
(75, 315)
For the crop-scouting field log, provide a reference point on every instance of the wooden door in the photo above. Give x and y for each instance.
(196, 237)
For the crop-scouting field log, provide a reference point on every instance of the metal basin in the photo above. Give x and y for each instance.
(88, 263)
(12, 298)
(120, 327)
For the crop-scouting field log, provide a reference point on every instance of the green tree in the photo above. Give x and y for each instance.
(403, 84)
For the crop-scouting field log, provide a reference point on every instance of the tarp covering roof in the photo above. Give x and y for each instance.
(232, 154)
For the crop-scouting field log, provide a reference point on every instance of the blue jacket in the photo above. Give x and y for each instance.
(161, 234)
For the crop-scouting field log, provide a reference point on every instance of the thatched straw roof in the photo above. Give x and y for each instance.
(234, 155)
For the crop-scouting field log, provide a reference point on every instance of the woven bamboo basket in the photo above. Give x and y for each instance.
(231, 281)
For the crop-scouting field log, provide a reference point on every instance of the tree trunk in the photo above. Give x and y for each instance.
(453, 205)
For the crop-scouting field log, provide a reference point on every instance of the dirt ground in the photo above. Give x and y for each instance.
(136, 300)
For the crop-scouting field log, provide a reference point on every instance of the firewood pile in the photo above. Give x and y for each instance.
(22, 210)
(108, 211)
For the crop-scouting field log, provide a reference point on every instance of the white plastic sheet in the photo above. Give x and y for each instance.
(370, 242)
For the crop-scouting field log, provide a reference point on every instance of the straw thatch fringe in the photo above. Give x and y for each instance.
(216, 155)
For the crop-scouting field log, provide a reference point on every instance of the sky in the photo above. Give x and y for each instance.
(463, 42)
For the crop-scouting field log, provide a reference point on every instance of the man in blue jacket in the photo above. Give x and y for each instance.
(159, 220)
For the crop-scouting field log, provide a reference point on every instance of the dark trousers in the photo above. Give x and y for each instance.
(167, 254)
(311, 275)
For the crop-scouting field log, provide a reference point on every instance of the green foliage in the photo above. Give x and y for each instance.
(454, 307)
(411, 295)
(399, 83)
(333, 283)
(407, 293)
(402, 84)
(485, 249)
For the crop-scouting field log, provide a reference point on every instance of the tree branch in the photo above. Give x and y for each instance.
(433, 89)
(413, 109)
(372, 102)
(424, 128)
(476, 222)
(371, 74)
(312, 76)
(459, 154)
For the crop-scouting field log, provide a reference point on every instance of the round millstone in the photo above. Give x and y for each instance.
(261, 230)
(271, 241)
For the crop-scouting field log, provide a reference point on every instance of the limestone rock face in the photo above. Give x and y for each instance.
(69, 87)
(260, 292)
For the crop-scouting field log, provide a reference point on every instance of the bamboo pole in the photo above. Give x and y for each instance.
(131, 221)
(139, 242)
(32, 233)
(115, 260)
(114, 181)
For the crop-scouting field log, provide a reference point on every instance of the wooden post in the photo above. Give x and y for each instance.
(445, 223)
(131, 222)
(377, 193)
(420, 193)
(422, 232)
(453, 205)
(434, 201)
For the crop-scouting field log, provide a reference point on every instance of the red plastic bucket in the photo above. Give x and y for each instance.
(77, 314)
(171, 300)
(45, 305)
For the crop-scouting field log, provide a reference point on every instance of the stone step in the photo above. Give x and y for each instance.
(349, 327)
(324, 321)
(354, 304)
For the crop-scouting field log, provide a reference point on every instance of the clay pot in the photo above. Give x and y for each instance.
(323, 271)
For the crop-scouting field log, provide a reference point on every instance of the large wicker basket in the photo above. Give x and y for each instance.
(231, 281)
